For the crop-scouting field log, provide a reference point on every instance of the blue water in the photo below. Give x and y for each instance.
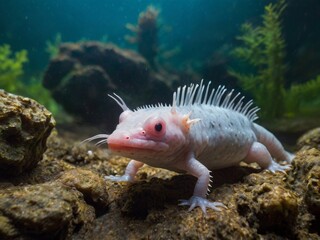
(197, 26)
(205, 31)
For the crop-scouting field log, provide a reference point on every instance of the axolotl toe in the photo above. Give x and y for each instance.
(202, 130)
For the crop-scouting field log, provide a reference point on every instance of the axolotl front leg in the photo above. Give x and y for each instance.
(129, 174)
(193, 167)
(198, 199)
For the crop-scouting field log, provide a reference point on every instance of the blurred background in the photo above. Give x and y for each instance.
(69, 55)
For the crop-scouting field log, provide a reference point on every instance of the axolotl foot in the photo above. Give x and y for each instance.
(123, 178)
(130, 173)
(276, 167)
(203, 203)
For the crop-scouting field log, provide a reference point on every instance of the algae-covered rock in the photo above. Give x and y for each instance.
(24, 128)
(304, 163)
(74, 201)
(277, 207)
(82, 74)
(92, 186)
(7, 230)
(144, 196)
(49, 209)
(305, 179)
(268, 206)
(55, 209)
(57, 70)
(312, 196)
(87, 84)
(309, 140)
(260, 205)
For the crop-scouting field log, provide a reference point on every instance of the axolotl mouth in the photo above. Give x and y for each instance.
(115, 144)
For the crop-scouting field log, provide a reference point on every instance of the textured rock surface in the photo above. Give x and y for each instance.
(90, 185)
(311, 139)
(261, 205)
(304, 179)
(56, 209)
(48, 209)
(82, 74)
(24, 128)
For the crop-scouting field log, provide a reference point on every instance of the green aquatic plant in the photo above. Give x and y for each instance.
(263, 49)
(11, 73)
(11, 68)
(146, 34)
(304, 98)
(52, 47)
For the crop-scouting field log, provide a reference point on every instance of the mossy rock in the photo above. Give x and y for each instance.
(24, 128)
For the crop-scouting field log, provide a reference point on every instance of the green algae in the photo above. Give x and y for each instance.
(11, 68)
(263, 50)
(12, 78)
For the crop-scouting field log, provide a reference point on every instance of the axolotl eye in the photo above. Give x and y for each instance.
(158, 127)
(155, 127)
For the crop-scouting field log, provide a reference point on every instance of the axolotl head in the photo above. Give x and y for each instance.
(150, 134)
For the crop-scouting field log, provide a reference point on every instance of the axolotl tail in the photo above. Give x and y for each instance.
(273, 145)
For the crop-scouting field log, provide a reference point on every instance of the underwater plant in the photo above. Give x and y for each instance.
(52, 48)
(146, 34)
(303, 98)
(11, 73)
(11, 68)
(263, 49)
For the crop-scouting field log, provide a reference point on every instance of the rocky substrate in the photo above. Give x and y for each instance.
(65, 197)
(61, 193)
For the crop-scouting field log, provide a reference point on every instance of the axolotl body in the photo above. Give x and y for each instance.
(202, 130)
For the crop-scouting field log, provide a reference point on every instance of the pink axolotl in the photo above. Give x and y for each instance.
(202, 130)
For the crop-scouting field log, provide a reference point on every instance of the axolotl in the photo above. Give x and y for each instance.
(203, 129)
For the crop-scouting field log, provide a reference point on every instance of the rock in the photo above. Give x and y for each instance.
(260, 204)
(85, 92)
(7, 230)
(141, 197)
(266, 204)
(305, 179)
(312, 195)
(24, 127)
(82, 74)
(45, 210)
(276, 208)
(302, 165)
(123, 66)
(57, 70)
(92, 187)
(311, 139)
